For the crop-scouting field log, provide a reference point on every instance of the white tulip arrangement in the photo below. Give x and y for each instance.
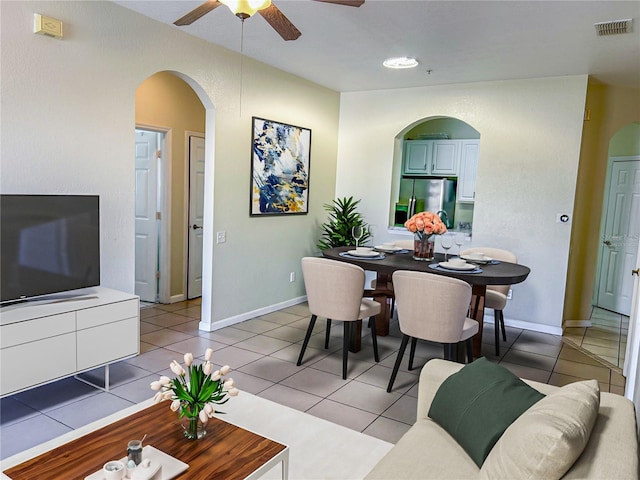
(195, 397)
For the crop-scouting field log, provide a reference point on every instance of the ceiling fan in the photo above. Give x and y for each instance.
(245, 8)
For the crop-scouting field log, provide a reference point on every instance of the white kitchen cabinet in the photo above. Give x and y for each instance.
(417, 157)
(445, 157)
(431, 157)
(469, 151)
(45, 340)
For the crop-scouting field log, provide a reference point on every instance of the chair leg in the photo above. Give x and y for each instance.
(403, 347)
(327, 333)
(448, 352)
(312, 323)
(504, 331)
(496, 330)
(469, 350)
(374, 338)
(345, 347)
(412, 352)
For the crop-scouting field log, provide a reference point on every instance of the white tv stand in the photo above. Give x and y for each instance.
(56, 337)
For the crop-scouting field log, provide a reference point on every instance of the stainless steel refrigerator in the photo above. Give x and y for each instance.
(436, 195)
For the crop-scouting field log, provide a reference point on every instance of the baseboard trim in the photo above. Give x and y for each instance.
(177, 298)
(577, 323)
(536, 327)
(227, 322)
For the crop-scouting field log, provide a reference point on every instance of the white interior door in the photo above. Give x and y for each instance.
(146, 228)
(620, 239)
(196, 215)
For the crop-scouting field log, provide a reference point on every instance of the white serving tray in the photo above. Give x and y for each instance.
(171, 467)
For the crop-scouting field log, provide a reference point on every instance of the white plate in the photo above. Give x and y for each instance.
(355, 253)
(388, 249)
(466, 266)
(484, 259)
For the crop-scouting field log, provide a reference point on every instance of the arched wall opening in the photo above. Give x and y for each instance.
(439, 131)
(174, 103)
(617, 253)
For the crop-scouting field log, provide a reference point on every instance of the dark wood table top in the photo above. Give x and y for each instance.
(503, 273)
(227, 451)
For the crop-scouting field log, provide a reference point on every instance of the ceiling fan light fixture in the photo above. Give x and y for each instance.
(245, 8)
(400, 62)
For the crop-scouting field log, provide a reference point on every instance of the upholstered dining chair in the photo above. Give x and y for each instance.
(496, 297)
(432, 307)
(334, 291)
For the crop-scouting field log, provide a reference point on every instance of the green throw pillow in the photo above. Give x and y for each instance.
(477, 404)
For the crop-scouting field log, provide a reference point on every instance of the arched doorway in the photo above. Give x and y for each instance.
(605, 337)
(167, 106)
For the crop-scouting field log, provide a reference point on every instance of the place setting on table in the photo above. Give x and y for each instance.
(378, 252)
(464, 263)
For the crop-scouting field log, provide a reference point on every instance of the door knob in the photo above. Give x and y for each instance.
(635, 271)
(196, 227)
(607, 243)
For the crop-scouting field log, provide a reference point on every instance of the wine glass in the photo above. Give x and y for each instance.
(460, 241)
(446, 242)
(357, 232)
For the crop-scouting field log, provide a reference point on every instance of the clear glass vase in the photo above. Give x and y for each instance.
(193, 428)
(423, 246)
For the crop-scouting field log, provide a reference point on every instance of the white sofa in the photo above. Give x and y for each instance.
(427, 451)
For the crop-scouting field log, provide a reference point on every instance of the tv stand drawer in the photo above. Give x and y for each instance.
(106, 343)
(92, 317)
(38, 329)
(34, 363)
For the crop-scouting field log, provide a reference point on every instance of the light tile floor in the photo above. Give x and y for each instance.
(263, 352)
(605, 339)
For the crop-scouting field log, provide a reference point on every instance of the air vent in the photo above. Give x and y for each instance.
(613, 27)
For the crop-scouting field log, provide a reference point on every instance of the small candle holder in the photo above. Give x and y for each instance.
(134, 451)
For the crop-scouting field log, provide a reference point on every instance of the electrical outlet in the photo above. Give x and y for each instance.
(221, 237)
(509, 294)
(292, 277)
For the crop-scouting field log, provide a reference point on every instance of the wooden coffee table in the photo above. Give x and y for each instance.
(227, 451)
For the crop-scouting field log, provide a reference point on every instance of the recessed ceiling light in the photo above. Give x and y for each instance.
(400, 62)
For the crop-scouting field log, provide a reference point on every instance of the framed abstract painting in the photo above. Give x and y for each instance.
(280, 156)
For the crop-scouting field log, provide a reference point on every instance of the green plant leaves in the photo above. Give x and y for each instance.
(343, 216)
(201, 389)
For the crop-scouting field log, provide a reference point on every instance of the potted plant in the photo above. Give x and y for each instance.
(343, 216)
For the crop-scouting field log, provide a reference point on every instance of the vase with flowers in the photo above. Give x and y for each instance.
(195, 392)
(424, 226)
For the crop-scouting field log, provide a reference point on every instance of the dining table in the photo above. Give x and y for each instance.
(387, 262)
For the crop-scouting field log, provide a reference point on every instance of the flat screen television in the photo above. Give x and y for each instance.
(48, 244)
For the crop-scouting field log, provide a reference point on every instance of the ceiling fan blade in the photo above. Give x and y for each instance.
(198, 12)
(348, 3)
(280, 23)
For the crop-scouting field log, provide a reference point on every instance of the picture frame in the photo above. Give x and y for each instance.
(280, 161)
